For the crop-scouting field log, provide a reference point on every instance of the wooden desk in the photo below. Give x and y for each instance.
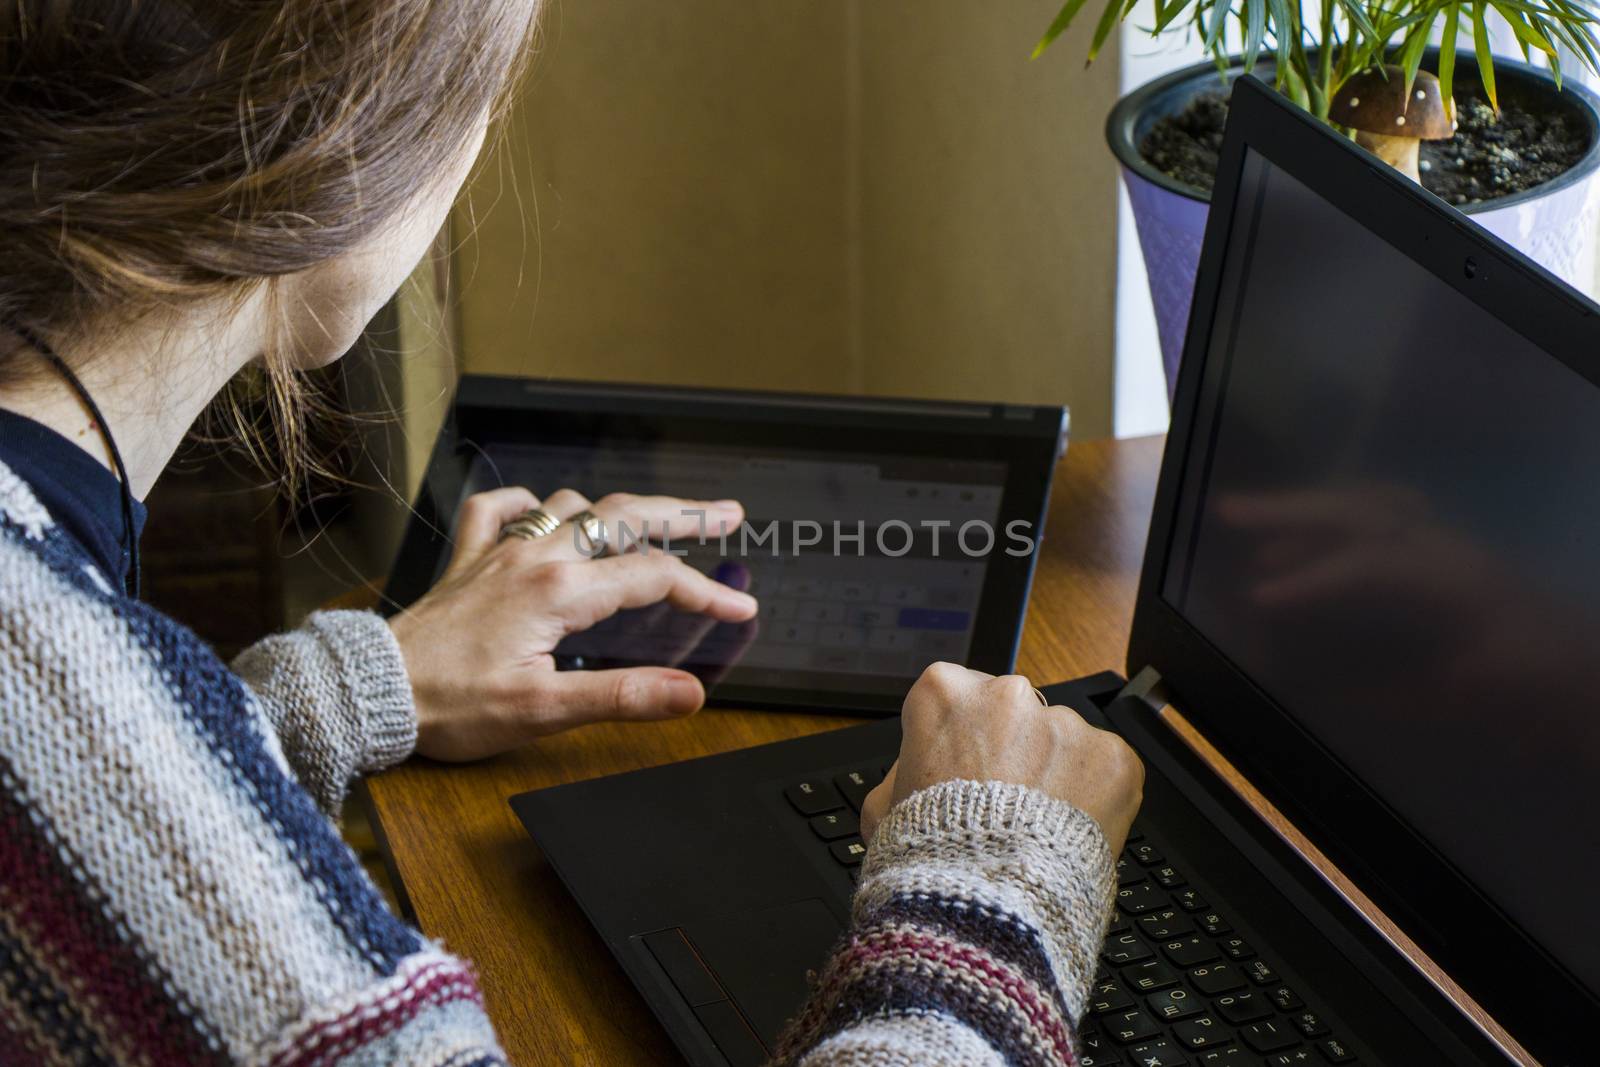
(474, 879)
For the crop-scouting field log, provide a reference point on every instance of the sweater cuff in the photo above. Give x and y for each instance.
(373, 669)
(1009, 847)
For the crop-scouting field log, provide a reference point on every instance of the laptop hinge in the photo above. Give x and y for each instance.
(1148, 688)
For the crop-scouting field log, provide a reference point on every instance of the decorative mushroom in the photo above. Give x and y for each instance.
(1389, 122)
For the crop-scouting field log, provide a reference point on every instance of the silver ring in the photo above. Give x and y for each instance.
(1040, 694)
(530, 525)
(588, 533)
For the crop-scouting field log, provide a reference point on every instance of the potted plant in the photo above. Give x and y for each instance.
(1516, 150)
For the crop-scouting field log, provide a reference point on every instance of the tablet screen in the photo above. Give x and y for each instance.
(867, 567)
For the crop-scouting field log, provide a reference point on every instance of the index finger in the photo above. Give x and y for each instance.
(600, 588)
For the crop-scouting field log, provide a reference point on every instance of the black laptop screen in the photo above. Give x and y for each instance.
(1390, 520)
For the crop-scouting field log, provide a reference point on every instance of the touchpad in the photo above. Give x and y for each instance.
(762, 956)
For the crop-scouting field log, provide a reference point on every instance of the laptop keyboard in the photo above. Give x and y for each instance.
(1178, 985)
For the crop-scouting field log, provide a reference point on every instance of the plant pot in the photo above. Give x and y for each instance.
(1554, 223)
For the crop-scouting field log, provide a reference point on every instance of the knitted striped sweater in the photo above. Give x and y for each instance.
(173, 888)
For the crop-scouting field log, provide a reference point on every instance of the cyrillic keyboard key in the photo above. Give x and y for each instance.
(1244, 1007)
(1308, 1024)
(1172, 1004)
(1203, 1032)
(1260, 973)
(1269, 1036)
(1158, 1053)
(1236, 948)
(1108, 996)
(1146, 853)
(1189, 951)
(1285, 998)
(1168, 877)
(1140, 897)
(1335, 1051)
(1295, 1057)
(1148, 977)
(1213, 924)
(1130, 1026)
(1164, 924)
(1124, 949)
(1217, 978)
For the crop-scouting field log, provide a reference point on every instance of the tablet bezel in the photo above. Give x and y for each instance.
(1027, 438)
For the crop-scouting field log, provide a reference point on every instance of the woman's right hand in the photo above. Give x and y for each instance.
(960, 723)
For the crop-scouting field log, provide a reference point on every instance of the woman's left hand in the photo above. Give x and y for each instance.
(478, 646)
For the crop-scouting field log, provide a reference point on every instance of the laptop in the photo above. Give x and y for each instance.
(1371, 580)
(880, 535)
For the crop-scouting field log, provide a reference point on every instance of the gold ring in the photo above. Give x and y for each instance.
(530, 525)
(1040, 694)
(588, 533)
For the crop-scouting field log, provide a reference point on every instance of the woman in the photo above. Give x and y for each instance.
(188, 186)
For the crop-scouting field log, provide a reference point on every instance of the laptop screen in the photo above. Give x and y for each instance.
(868, 566)
(1390, 521)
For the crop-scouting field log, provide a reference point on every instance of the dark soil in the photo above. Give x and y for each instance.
(1486, 158)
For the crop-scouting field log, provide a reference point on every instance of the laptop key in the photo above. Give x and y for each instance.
(1309, 1024)
(1148, 977)
(836, 824)
(1237, 948)
(855, 785)
(1260, 973)
(1189, 951)
(1145, 853)
(1227, 1056)
(1108, 996)
(813, 797)
(1139, 898)
(1168, 877)
(1285, 998)
(1335, 1051)
(1158, 1053)
(1295, 1057)
(1172, 1004)
(1128, 871)
(1214, 924)
(1190, 900)
(1202, 1032)
(1217, 978)
(850, 852)
(1130, 1026)
(1098, 1051)
(1164, 924)
(1124, 949)
(1269, 1036)
(1245, 1007)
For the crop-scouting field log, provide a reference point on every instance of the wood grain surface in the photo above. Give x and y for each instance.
(475, 880)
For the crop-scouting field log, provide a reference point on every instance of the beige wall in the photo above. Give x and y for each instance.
(837, 195)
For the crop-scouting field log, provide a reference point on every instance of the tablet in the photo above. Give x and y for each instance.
(880, 535)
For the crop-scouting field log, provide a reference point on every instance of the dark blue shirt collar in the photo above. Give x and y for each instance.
(82, 496)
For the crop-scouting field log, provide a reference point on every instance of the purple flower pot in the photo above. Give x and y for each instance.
(1553, 223)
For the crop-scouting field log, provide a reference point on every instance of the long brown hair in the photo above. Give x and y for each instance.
(154, 152)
